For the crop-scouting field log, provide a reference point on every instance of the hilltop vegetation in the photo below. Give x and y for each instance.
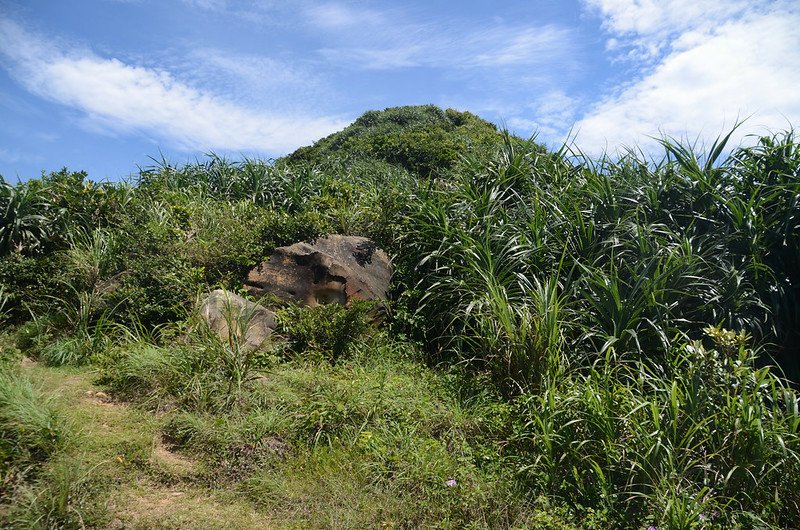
(425, 140)
(572, 342)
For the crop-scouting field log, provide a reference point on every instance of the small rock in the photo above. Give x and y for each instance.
(235, 319)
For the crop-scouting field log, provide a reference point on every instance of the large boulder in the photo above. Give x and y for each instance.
(234, 318)
(332, 269)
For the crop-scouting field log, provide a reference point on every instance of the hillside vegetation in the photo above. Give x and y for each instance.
(572, 342)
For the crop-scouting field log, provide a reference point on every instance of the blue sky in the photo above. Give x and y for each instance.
(104, 85)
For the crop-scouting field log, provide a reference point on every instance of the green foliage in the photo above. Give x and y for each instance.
(156, 289)
(325, 330)
(81, 203)
(604, 326)
(4, 304)
(222, 238)
(63, 497)
(142, 370)
(632, 253)
(94, 255)
(40, 214)
(31, 282)
(423, 139)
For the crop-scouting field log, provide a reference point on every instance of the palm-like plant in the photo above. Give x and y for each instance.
(25, 223)
(644, 251)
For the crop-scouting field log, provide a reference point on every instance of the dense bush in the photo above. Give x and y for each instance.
(326, 330)
(705, 439)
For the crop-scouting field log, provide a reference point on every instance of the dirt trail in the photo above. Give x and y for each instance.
(151, 486)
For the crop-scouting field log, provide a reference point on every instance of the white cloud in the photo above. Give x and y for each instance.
(728, 64)
(648, 24)
(391, 58)
(253, 80)
(117, 97)
(211, 5)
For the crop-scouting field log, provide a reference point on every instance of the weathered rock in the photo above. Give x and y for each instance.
(232, 317)
(332, 269)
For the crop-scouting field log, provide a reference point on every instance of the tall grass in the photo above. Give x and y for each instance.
(95, 254)
(637, 252)
(31, 431)
(706, 435)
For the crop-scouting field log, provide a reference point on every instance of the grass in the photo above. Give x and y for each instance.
(372, 440)
(32, 430)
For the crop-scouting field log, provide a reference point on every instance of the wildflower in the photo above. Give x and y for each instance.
(450, 482)
(651, 527)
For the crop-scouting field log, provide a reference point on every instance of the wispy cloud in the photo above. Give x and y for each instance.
(494, 49)
(394, 40)
(340, 16)
(253, 80)
(730, 62)
(8, 156)
(116, 97)
(212, 5)
(552, 112)
(515, 46)
(262, 12)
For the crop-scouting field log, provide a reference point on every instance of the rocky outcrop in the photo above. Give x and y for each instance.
(233, 318)
(333, 269)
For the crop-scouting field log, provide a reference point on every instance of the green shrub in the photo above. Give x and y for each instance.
(82, 204)
(32, 336)
(325, 330)
(10, 354)
(94, 255)
(155, 289)
(75, 350)
(141, 371)
(223, 238)
(31, 283)
(708, 433)
(28, 218)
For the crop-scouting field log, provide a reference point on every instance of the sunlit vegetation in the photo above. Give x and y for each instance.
(572, 342)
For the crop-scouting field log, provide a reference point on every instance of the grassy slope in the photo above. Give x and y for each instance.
(333, 467)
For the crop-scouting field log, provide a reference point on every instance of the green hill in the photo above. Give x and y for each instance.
(424, 139)
(570, 343)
